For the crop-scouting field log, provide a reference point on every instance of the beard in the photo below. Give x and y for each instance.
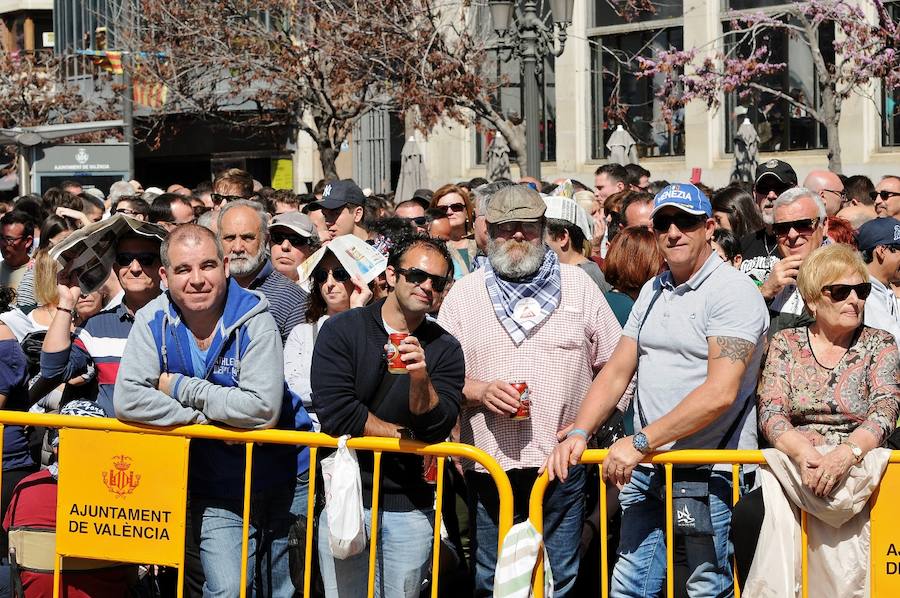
(239, 265)
(515, 259)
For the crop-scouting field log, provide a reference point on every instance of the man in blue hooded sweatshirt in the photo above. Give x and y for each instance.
(208, 351)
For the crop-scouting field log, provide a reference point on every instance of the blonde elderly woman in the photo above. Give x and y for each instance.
(828, 396)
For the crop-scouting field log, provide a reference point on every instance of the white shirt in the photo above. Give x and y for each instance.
(298, 351)
(881, 309)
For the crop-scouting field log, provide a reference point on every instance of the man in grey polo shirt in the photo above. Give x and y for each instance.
(694, 338)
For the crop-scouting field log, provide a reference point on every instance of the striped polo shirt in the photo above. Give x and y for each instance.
(287, 301)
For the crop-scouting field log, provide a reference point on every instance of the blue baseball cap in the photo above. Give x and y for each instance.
(683, 196)
(881, 231)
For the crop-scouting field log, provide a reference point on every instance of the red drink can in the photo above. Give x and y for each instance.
(430, 474)
(524, 410)
(395, 364)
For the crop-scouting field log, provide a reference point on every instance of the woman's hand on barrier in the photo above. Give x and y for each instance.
(832, 468)
(567, 453)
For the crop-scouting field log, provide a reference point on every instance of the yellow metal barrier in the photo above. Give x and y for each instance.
(734, 458)
(314, 441)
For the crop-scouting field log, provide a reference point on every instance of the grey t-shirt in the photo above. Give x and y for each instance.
(673, 348)
(596, 274)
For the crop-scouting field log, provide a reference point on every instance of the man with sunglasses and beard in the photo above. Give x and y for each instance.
(759, 249)
(244, 233)
(353, 393)
(799, 227)
(524, 317)
(693, 341)
(102, 338)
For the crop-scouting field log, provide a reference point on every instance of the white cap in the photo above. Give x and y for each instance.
(563, 208)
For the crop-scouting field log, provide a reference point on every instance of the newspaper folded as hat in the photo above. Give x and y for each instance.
(355, 255)
(89, 253)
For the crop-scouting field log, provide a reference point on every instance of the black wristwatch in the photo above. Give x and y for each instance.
(406, 434)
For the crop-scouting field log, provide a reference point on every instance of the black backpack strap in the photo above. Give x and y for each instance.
(637, 404)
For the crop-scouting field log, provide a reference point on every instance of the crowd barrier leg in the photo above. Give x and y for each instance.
(310, 521)
(373, 536)
(245, 529)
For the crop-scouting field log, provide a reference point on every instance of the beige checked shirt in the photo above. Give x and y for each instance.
(558, 360)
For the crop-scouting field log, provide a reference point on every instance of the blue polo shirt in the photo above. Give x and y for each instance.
(14, 386)
(673, 349)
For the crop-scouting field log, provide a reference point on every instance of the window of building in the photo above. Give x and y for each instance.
(618, 97)
(890, 130)
(781, 125)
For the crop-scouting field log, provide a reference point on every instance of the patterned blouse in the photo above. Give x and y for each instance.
(862, 390)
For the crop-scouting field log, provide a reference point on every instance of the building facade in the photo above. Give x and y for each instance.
(577, 91)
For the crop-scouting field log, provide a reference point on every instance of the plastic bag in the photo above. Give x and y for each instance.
(343, 502)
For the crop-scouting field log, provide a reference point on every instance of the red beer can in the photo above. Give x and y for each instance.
(395, 364)
(430, 474)
(524, 410)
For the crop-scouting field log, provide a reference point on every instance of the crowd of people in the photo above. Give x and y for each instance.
(536, 320)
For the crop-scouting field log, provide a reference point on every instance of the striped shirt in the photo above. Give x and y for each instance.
(287, 301)
(102, 341)
(558, 360)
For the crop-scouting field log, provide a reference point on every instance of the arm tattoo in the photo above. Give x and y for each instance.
(734, 349)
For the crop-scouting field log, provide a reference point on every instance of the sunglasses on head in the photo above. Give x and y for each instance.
(804, 226)
(418, 277)
(219, 198)
(885, 194)
(144, 259)
(339, 274)
(682, 220)
(298, 241)
(839, 292)
(454, 207)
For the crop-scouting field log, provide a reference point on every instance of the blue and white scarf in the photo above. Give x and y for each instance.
(521, 305)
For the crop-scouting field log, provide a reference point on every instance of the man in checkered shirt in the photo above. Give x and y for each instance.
(524, 317)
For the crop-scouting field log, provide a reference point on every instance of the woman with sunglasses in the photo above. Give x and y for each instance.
(828, 396)
(454, 200)
(332, 291)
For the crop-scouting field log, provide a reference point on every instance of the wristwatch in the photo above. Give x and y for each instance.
(640, 443)
(857, 452)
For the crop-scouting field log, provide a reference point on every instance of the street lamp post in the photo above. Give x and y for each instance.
(521, 32)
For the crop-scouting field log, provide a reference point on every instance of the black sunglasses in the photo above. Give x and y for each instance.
(765, 189)
(418, 277)
(297, 241)
(218, 198)
(885, 195)
(453, 207)
(339, 274)
(804, 226)
(419, 221)
(839, 292)
(144, 259)
(682, 220)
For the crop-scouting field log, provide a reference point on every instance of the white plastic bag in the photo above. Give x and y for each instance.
(343, 502)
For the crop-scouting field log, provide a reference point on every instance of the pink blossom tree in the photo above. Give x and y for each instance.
(866, 47)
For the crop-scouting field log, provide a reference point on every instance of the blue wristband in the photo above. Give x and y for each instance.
(578, 432)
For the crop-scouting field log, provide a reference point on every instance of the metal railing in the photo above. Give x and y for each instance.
(314, 441)
(735, 458)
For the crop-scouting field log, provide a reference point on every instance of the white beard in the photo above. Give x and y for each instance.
(515, 259)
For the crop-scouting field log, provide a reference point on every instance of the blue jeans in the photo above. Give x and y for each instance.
(640, 570)
(564, 511)
(220, 528)
(402, 563)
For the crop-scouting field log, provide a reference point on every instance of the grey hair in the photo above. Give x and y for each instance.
(206, 219)
(483, 194)
(119, 189)
(256, 207)
(191, 233)
(795, 193)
